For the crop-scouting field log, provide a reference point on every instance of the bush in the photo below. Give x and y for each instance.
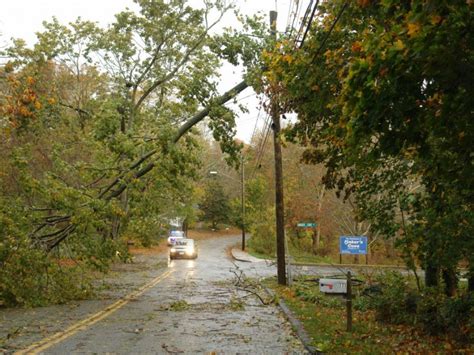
(396, 303)
(263, 239)
(302, 241)
(29, 277)
(399, 303)
(438, 314)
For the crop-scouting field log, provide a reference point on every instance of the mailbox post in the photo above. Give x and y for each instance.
(349, 302)
(342, 287)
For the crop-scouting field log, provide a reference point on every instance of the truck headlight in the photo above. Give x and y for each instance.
(173, 250)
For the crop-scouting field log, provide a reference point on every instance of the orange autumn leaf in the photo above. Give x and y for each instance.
(356, 46)
(435, 19)
(413, 29)
(30, 80)
(363, 3)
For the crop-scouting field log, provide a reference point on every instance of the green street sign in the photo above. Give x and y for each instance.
(306, 224)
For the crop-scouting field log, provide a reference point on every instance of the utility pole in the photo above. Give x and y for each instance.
(279, 205)
(242, 183)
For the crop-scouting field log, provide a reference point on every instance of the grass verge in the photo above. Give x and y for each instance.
(323, 318)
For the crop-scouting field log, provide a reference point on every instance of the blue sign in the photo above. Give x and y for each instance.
(353, 245)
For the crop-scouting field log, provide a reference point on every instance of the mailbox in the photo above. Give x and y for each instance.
(333, 285)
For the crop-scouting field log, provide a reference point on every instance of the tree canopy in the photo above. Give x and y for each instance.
(88, 112)
(383, 91)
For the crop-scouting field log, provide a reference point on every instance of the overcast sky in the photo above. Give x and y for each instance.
(22, 18)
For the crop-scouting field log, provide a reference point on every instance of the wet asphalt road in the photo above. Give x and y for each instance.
(195, 309)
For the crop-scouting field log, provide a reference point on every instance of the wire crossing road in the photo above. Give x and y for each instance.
(190, 307)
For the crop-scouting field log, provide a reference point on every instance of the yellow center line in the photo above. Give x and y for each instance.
(46, 343)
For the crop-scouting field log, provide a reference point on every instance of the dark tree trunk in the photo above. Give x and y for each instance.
(450, 282)
(185, 227)
(117, 220)
(470, 279)
(315, 244)
(431, 275)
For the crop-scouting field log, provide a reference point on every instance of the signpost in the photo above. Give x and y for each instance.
(354, 245)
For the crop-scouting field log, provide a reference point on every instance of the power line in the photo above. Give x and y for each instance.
(263, 145)
(309, 23)
(258, 116)
(303, 21)
(256, 123)
(289, 15)
(299, 11)
(330, 31)
(241, 99)
(294, 17)
(260, 144)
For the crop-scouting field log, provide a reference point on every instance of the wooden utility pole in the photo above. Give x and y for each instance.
(279, 205)
(242, 183)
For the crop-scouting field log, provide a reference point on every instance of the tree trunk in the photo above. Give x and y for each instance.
(117, 220)
(470, 279)
(450, 282)
(185, 227)
(115, 228)
(431, 275)
(317, 236)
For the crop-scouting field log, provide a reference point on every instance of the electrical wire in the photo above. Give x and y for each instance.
(303, 21)
(262, 146)
(289, 15)
(264, 129)
(256, 123)
(240, 99)
(329, 32)
(294, 17)
(309, 23)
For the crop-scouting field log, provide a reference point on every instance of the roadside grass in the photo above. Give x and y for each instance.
(303, 256)
(324, 319)
(297, 255)
(307, 257)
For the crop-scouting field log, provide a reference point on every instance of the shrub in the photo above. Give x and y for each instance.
(263, 239)
(399, 303)
(438, 314)
(396, 303)
(302, 240)
(30, 277)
